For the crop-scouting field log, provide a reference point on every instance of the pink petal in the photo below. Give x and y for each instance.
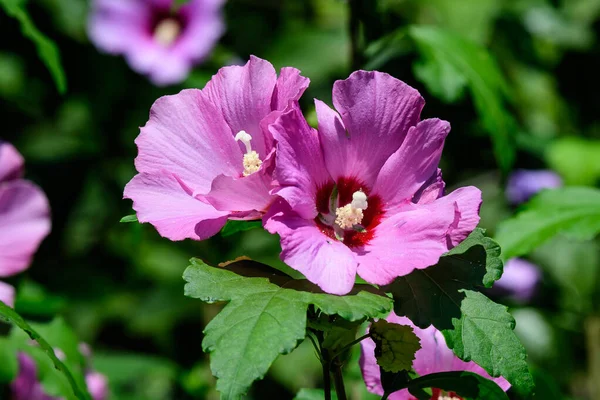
(24, 223)
(409, 168)
(97, 385)
(290, 86)
(431, 190)
(468, 202)
(324, 261)
(7, 294)
(187, 136)
(300, 168)
(413, 238)
(167, 203)
(243, 96)
(11, 162)
(377, 111)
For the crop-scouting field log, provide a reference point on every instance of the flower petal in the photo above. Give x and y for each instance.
(468, 202)
(413, 238)
(243, 96)
(407, 170)
(187, 136)
(167, 203)
(290, 86)
(7, 294)
(24, 223)
(377, 111)
(431, 190)
(519, 280)
(324, 261)
(300, 168)
(11, 162)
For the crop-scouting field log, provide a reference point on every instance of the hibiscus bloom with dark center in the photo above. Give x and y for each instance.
(363, 193)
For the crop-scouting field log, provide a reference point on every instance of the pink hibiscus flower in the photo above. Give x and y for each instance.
(24, 218)
(363, 193)
(207, 155)
(434, 356)
(157, 38)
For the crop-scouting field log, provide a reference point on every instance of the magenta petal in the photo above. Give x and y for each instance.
(11, 162)
(519, 279)
(7, 294)
(324, 261)
(409, 168)
(290, 86)
(413, 238)
(243, 96)
(97, 385)
(377, 110)
(187, 136)
(468, 201)
(431, 190)
(164, 201)
(24, 223)
(300, 168)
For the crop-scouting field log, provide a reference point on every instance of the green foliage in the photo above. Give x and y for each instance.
(395, 345)
(233, 227)
(265, 317)
(572, 211)
(450, 62)
(484, 334)
(47, 49)
(433, 295)
(576, 160)
(465, 384)
(55, 375)
(129, 218)
(312, 394)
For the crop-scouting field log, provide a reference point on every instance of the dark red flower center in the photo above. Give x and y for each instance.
(328, 201)
(438, 394)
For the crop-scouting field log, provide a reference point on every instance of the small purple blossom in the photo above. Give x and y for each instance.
(434, 356)
(363, 193)
(24, 218)
(519, 280)
(524, 184)
(207, 155)
(156, 37)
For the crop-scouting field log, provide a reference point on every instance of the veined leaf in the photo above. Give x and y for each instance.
(232, 227)
(395, 345)
(465, 384)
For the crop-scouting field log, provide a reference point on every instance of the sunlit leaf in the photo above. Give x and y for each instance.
(395, 345)
(576, 160)
(233, 227)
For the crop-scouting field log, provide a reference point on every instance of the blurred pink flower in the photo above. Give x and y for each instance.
(24, 218)
(524, 184)
(519, 280)
(207, 155)
(363, 193)
(433, 357)
(156, 37)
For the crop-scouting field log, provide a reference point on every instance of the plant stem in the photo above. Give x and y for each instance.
(338, 380)
(346, 347)
(326, 380)
(354, 31)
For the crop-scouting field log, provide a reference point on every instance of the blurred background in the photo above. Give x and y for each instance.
(518, 80)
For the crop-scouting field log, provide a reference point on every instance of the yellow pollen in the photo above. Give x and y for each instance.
(346, 217)
(167, 31)
(447, 397)
(252, 163)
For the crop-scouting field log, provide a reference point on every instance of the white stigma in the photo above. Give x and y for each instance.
(350, 215)
(167, 31)
(448, 397)
(251, 161)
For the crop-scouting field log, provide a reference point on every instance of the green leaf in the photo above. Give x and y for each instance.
(313, 394)
(433, 295)
(265, 317)
(447, 55)
(395, 345)
(484, 334)
(576, 160)
(465, 384)
(10, 315)
(129, 218)
(46, 48)
(233, 227)
(571, 211)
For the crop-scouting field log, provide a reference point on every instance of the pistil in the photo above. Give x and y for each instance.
(252, 161)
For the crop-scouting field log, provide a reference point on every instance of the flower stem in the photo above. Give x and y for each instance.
(338, 380)
(346, 347)
(326, 381)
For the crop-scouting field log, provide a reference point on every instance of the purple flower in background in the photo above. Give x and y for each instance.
(24, 218)
(433, 356)
(26, 386)
(207, 155)
(364, 194)
(519, 280)
(156, 37)
(523, 184)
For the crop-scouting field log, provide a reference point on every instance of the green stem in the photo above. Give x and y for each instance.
(354, 31)
(326, 381)
(346, 347)
(338, 380)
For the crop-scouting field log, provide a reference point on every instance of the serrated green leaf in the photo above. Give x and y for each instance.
(232, 227)
(129, 218)
(46, 48)
(77, 391)
(395, 345)
(433, 295)
(465, 384)
(445, 54)
(572, 211)
(484, 334)
(265, 317)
